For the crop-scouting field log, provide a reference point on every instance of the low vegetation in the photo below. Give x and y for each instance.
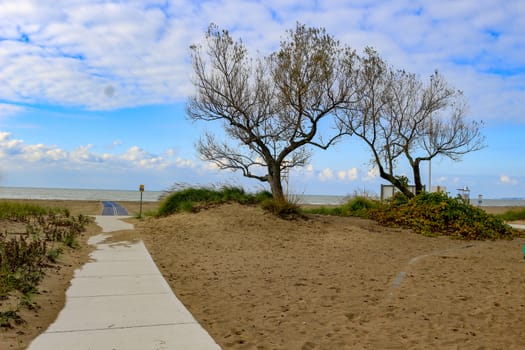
(193, 199)
(513, 215)
(33, 237)
(282, 209)
(430, 214)
(358, 206)
(438, 214)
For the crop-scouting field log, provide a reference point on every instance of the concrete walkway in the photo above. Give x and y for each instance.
(518, 226)
(121, 301)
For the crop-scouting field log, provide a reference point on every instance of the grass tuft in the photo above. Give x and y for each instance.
(512, 215)
(24, 255)
(283, 209)
(192, 199)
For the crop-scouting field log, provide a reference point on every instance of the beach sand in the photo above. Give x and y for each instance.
(258, 282)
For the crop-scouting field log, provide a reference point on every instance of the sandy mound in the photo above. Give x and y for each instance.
(258, 282)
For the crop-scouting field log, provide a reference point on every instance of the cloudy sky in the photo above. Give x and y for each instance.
(92, 93)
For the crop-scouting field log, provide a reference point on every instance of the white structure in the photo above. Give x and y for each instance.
(388, 191)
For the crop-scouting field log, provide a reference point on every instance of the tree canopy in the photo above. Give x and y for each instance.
(400, 117)
(270, 107)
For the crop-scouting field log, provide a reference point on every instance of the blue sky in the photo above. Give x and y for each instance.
(92, 93)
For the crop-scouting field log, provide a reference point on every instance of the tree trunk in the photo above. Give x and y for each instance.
(417, 176)
(397, 184)
(274, 179)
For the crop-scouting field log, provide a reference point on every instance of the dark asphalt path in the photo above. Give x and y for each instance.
(112, 208)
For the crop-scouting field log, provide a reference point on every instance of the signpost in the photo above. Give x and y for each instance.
(141, 189)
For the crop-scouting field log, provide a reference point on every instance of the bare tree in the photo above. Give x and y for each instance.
(399, 117)
(271, 108)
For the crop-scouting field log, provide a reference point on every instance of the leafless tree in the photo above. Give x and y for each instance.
(272, 107)
(399, 117)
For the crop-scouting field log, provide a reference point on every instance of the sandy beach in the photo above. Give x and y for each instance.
(258, 282)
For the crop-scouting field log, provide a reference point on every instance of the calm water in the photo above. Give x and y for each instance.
(76, 194)
(151, 196)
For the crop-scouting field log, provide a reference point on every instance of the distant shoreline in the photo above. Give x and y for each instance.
(39, 193)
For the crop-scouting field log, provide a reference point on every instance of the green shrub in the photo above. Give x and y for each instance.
(261, 196)
(6, 317)
(359, 206)
(398, 199)
(437, 214)
(53, 254)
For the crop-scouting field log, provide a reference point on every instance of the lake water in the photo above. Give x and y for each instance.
(151, 196)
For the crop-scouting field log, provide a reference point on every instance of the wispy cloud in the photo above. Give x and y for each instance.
(348, 175)
(14, 150)
(326, 174)
(507, 180)
(106, 54)
(7, 110)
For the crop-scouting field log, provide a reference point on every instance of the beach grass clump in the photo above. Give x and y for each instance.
(512, 215)
(284, 209)
(435, 214)
(358, 206)
(40, 234)
(22, 211)
(192, 199)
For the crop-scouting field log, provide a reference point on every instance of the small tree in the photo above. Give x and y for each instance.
(271, 108)
(398, 116)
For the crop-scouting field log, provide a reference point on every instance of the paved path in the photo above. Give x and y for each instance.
(112, 208)
(121, 301)
(518, 226)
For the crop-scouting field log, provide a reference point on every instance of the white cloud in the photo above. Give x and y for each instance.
(143, 159)
(348, 175)
(71, 53)
(185, 163)
(17, 151)
(326, 174)
(507, 180)
(7, 110)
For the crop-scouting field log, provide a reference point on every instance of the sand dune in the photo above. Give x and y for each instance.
(258, 282)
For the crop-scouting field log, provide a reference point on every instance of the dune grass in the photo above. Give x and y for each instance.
(23, 211)
(42, 233)
(430, 214)
(192, 199)
(358, 206)
(512, 215)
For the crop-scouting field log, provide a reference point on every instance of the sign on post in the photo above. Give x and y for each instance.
(141, 189)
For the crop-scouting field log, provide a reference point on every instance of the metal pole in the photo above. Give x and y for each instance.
(430, 160)
(429, 175)
(140, 213)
